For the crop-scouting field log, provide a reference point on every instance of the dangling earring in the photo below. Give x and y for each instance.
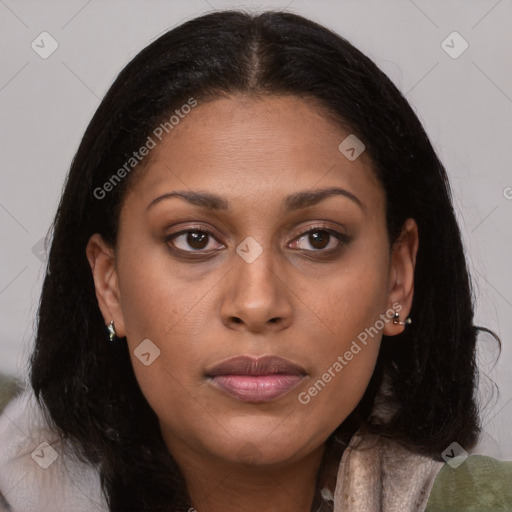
(396, 320)
(111, 332)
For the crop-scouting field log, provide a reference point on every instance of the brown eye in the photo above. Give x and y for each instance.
(321, 240)
(197, 240)
(194, 240)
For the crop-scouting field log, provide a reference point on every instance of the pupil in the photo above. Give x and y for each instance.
(196, 239)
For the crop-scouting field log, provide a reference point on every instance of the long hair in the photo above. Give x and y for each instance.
(88, 390)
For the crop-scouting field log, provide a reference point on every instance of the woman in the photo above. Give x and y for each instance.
(255, 292)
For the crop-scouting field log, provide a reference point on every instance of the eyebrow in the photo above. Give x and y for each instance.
(293, 202)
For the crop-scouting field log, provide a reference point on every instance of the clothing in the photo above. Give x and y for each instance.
(65, 485)
(378, 476)
(480, 483)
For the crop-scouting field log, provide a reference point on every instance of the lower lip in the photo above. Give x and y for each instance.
(257, 388)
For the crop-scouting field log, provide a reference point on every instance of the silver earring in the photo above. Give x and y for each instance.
(111, 331)
(396, 320)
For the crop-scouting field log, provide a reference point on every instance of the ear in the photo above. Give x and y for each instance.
(101, 258)
(401, 275)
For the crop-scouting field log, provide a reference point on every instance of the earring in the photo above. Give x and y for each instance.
(396, 320)
(111, 331)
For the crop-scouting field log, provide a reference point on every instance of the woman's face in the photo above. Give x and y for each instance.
(252, 257)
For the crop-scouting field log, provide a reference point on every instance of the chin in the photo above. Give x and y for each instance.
(263, 448)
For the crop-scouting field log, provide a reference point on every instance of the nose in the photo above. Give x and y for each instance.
(256, 297)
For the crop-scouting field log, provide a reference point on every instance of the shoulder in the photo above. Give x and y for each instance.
(38, 470)
(479, 483)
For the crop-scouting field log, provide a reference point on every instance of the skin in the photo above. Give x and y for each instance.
(293, 300)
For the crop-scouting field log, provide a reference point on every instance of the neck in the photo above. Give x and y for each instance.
(216, 486)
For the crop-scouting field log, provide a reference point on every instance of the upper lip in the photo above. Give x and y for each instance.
(250, 365)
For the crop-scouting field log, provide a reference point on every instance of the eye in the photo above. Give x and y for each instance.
(319, 239)
(194, 240)
(201, 239)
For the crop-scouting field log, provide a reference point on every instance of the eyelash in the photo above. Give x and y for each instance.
(343, 239)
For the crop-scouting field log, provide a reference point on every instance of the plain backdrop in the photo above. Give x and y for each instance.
(464, 102)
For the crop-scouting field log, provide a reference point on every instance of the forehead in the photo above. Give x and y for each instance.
(256, 149)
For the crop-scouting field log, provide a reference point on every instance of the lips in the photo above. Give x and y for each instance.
(256, 380)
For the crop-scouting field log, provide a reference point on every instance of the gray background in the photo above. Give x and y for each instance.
(465, 104)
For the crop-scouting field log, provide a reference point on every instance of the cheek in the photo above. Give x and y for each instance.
(354, 297)
(351, 312)
(156, 298)
(342, 367)
(163, 317)
(340, 382)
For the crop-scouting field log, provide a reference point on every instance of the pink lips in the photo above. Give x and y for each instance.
(256, 379)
